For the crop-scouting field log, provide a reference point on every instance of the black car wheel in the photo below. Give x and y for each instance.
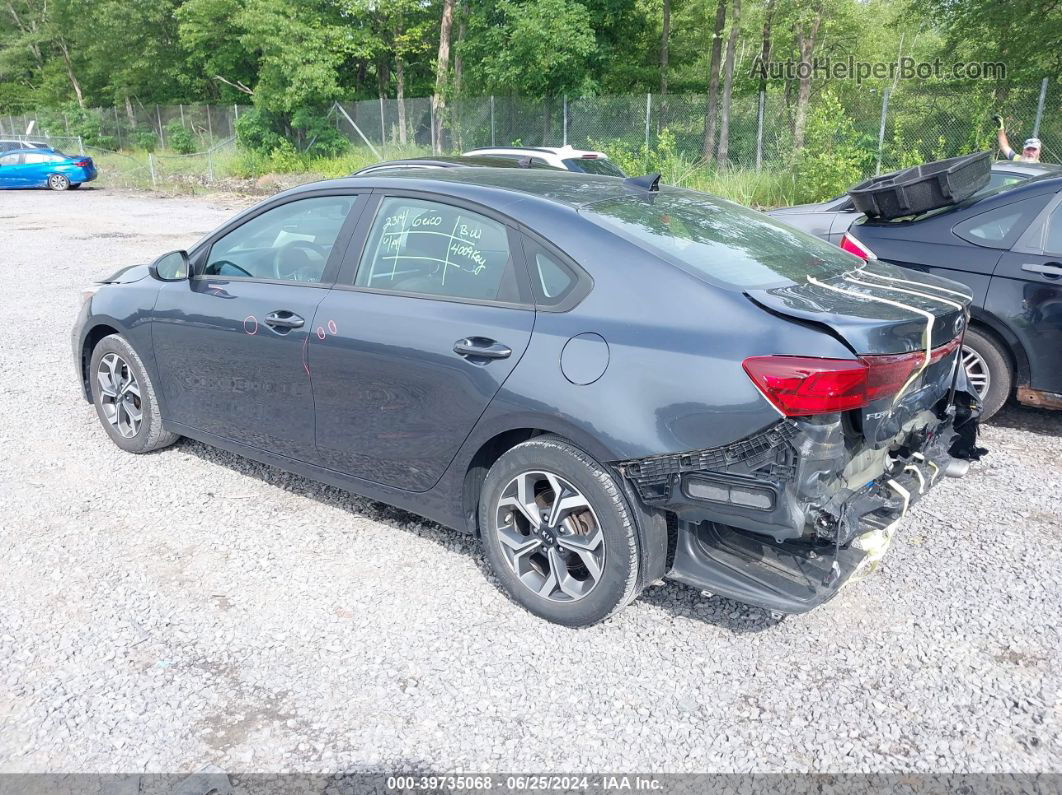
(58, 182)
(988, 369)
(125, 397)
(558, 532)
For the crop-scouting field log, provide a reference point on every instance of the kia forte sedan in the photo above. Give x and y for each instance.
(608, 381)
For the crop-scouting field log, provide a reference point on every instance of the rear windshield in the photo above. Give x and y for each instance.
(721, 241)
(591, 165)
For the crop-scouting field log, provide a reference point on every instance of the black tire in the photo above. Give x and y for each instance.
(58, 182)
(615, 583)
(75, 185)
(997, 364)
(149, 434)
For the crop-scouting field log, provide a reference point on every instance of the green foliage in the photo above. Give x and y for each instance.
(179, 138)
(314, 134)
(146, 139)
(834, 156)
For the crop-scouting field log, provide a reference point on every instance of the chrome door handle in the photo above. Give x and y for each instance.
(1052, 270)
(481, 348)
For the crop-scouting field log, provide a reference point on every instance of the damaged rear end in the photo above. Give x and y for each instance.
(785, 517)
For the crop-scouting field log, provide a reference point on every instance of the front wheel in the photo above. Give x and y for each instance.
(58, 182)
(558, 533)
(988, 371)
(124, 397)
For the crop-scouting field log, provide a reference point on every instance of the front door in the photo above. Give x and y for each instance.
(230, 344)
(407, 354)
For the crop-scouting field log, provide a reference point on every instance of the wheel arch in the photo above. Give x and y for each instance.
(651, 525)
(993, 327)
(88, 345)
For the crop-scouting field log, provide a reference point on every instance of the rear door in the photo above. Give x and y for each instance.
(12, 172)
(230, 343)
(1026, 293)
(417, 337)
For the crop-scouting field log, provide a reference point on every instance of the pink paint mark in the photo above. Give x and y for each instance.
(320, 333)
(332, 327)
(251, 329)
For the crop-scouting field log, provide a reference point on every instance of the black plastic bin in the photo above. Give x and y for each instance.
(923, 188)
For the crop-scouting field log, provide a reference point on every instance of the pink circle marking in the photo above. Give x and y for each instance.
(320, 333)
(332, 327)
(252, 329)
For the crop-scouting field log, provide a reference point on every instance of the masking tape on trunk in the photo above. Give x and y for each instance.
(930, 318)
(923, 285)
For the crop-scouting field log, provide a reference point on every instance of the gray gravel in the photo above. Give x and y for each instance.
(170, 611)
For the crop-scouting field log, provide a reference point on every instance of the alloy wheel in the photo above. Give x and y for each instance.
(976, 371)
(57, 182)
(550, 536)
(120, 395)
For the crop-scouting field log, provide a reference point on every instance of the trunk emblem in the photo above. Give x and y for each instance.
(960, 321)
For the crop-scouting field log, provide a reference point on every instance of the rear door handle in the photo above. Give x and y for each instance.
(481, 348)
(282, 318)
(1052, 270)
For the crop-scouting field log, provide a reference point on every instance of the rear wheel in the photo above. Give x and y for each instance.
(558, 533)
(58, 182)
(124, 397)
(988, 370)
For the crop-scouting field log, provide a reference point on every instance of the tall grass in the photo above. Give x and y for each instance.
(240, 170)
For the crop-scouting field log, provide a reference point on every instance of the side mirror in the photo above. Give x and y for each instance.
(172, 267)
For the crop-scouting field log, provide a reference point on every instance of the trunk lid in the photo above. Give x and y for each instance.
(880, 310)
(876, 309)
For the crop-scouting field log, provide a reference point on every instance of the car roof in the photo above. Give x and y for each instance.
(494, 187)
(559, 151)
(1046, 183)
(1032, 169)
(36, 150)
(445, 162)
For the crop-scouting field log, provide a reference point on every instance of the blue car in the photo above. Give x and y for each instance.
(45, 168)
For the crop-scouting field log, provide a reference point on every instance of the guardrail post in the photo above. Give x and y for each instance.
(1040, 109)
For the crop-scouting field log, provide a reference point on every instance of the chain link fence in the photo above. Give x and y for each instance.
(912, 123)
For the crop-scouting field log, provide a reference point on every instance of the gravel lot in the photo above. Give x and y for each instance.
(170, 611)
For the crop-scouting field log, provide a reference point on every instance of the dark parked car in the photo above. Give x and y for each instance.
(831, 219)
(1006, 247)
(608, 382)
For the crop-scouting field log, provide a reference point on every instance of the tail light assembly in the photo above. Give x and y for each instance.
(853, 245)
(799, 386)
(83, 163)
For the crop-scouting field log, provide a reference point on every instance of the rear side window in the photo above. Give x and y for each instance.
(553, 281)
(1000, 228)
(434, 249)
(590, 165)
(34, 158)
(10, 160)
(727, 244)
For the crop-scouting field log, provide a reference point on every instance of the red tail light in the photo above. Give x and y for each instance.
(803, 385)
(83, 163)
(853, 246)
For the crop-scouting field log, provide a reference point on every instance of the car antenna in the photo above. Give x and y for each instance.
(649, 182)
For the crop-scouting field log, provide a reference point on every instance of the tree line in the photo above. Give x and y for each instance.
(292, 58)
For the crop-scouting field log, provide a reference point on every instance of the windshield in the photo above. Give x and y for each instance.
(721, 241)
(590, 165)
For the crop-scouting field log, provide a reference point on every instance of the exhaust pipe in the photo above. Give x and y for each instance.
(956, 468)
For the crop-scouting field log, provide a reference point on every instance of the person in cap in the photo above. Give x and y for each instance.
(1030, 151)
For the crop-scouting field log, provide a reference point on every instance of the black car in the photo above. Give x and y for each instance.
(1006, 247)
(608, 381)
(831, 219)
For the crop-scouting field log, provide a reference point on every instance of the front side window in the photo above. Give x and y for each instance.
(291, 242)
(432, 249)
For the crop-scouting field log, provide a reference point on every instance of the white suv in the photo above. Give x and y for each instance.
(558, 157)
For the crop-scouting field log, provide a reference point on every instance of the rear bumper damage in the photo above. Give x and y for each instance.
(784, 518)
